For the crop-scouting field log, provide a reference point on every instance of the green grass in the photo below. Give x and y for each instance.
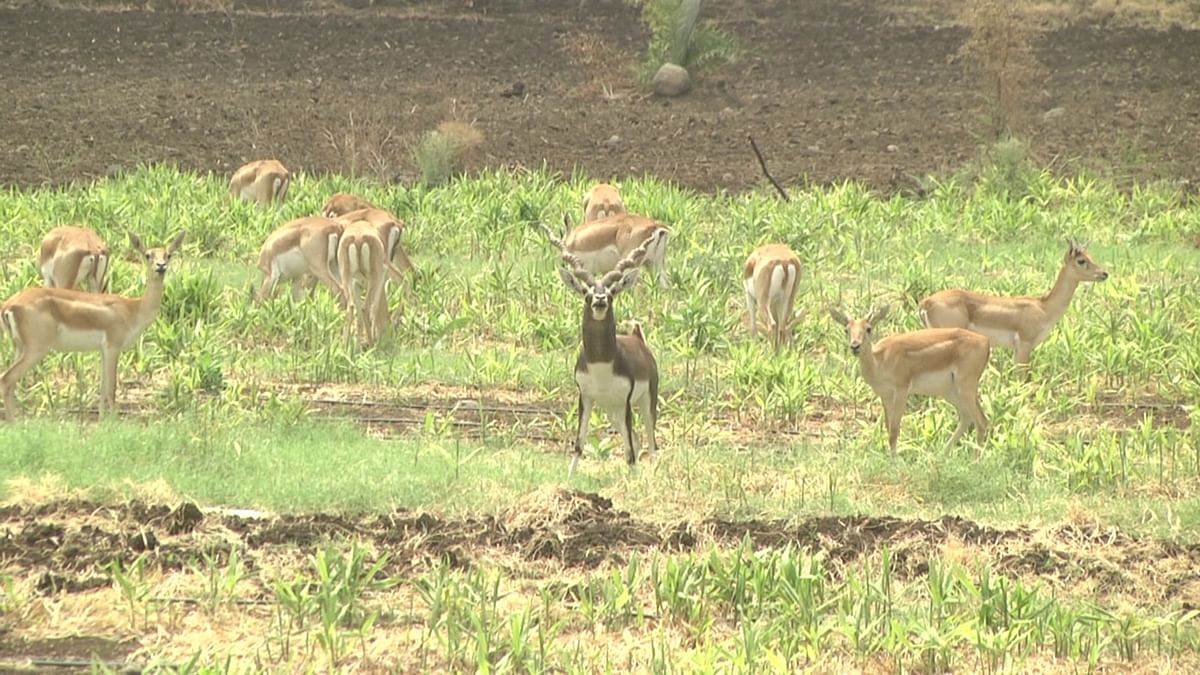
(743, 434)
(485, 309)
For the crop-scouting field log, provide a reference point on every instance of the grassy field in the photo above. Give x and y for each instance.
(465, 411)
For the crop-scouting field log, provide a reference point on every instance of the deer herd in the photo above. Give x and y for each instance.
(352, 242)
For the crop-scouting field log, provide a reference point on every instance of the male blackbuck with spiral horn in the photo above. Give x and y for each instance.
(601, 244)
(262, 181)
(298, 249)
(942, 362)
(1019, 323)
(770, 278)
(43, 320)
(613, 372)
(71, 256)
(602, 201)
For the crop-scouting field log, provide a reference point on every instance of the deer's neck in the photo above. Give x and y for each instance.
(599, 337)
(147, 306)
(1056, 301)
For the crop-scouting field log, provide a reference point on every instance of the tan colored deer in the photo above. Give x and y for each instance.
(361, 254)
(770, 277)
(1019, 323)
(342, 203)
(71, 256)
(300, 250)
(942, 362)
(601, 244)
(263, 181)
(602, 201)
(44, 320)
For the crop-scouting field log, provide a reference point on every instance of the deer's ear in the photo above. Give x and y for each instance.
(136, 242)
(878, 314)
(627, 280)
(838, 316)
(176, 243)
(571, 280)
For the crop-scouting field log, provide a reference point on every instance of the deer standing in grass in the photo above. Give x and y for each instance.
(942, 362)
(602, 201)
(601, 244)
(770, 277)
(263, 181)
(342, 203)
(71, 256)
(1019, 323)
(298, 249)
(44, 320)
(361, 254)
(613, 372)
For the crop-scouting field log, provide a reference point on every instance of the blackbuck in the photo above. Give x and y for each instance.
(44, 320)
(342, 203)
(72, 256)
(942, 362)
(770, 277)
(613, 372)
(602, 201)
(263, 181)
(601, 244)
(300, 250)
(361, 254)
(1020, 323)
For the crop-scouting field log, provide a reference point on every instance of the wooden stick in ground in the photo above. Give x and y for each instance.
(763, 163)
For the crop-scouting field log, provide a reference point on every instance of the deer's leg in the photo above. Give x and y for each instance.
(647, 412)
(894, 413)
(25, 360)
(1022, 355)
(108, 378)
(581, 432)
(752, 308)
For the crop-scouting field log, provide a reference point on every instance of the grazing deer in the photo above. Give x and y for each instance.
(262, 181)
(391, 229)
(770, 277)
(361, 253)
(43, 320)
(602, 201)
(342, 203)
(601, 244)
(71, 255)
(942, 362)
(297, 249)
(1019, 323)
(614, 372)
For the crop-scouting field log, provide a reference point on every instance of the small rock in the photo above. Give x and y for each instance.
(613, 140)
(814, 148)
(1053, 114)
(726, 178)
(142, 541)
(515, 89)
(892, 148)
(671, 80)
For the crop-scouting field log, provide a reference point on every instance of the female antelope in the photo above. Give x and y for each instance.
(942, 362)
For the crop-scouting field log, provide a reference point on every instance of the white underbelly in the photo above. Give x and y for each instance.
(998, 337)
(290, 264)
(249, 193)
(935, 383)
(600, 261)
(77, 340)
(48, 269)
(610, 392)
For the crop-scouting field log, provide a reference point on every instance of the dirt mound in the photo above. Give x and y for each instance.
(70, 544)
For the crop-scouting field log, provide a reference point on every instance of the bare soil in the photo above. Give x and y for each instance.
(831, 89)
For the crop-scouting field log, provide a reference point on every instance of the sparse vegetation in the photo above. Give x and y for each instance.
(440, 152)
(999, 54)
(678, 36)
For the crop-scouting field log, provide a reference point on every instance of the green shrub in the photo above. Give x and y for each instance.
(677, 36)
